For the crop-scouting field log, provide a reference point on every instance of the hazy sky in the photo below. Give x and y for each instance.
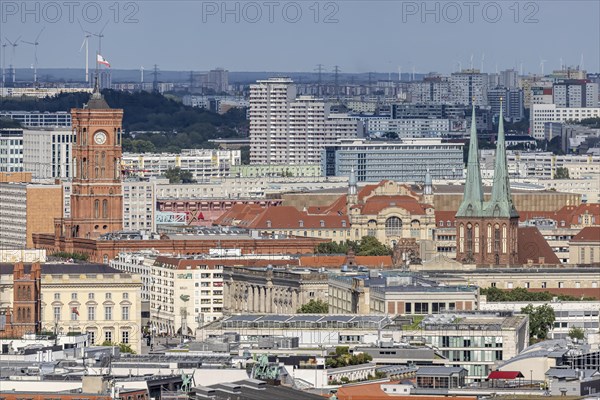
(359, 36)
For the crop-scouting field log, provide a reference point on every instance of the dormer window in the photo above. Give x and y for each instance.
(301, 224)
(441, 223)
(322, 224)
(268, 223)
(343, 224)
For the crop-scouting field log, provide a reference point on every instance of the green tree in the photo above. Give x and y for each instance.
(176, 175)
(576, 333)
(561, 173)
(370, 246)
(314, 307)
(541, 319)
(123, 347)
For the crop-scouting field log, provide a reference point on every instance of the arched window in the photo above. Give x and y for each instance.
(372, 228)
(96, 208)
(489, 238)
(496, 239)
(504, 239)
(105, 259)
(469, 239)
(104, 208)
(393, 226)
(84, 168)
(415, 228)
(476, 238)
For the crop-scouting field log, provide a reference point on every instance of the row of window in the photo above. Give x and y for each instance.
(91, 296)
(91, 313)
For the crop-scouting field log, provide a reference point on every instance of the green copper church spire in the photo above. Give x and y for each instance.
(472, 204)
(500, 204)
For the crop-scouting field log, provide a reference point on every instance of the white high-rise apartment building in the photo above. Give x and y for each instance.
(47, 152)
(469, 86)
(11, 150)
(289, 130)
(542, 113)
(139, 203)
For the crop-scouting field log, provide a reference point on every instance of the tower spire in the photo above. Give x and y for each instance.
(501, 204)
(472, 204)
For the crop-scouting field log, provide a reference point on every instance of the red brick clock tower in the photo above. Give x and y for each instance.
(96, 198)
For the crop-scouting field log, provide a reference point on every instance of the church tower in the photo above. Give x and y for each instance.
(96, 198)
(487, 231)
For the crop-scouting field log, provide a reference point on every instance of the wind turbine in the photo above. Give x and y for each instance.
(3, 62)
(12, 58)
(100, 35)
(35, 44)
(86, 42)
(142, 74)
(542, 62)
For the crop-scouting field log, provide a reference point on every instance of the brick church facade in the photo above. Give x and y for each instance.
(25, 314)
(487, 231)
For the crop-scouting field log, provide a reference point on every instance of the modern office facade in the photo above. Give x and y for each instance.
(406, 161)
(432, 90)
(47, 152)
(410, 128)
(285, 129)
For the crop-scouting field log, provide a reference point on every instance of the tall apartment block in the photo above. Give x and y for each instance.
(285, 129)
(574, 93)
(469, 87)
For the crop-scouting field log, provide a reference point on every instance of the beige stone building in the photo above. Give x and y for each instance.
(584, 248)
(94, 299)
(271, 290)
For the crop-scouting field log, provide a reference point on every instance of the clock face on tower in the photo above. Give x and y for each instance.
(100, 137)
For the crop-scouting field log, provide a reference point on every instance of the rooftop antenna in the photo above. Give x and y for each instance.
(581, 64)
(142, 74)
(12, 58)
(482, 60)
(471, 61)
(319, 71)
(399, 73)
(86, 42)
(35, 45)
(542, 62)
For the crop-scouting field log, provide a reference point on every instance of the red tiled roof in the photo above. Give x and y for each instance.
(588, 234)
(533, 246)
(375, 204)
(505, 375)
(338, 261)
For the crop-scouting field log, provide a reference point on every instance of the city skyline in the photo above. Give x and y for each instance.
(442, 37)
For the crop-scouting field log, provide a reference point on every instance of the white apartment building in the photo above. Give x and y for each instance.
(185, 293)
(542, 113)
(139, 203)
(204, 164)
(589, 188)
(39, 119)
(13, 216)
(11, 150)
(247, 188)
(47, 152)
(285, 129)
(138, 263)
(469, 86)
(182, 291)
(410, 128)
